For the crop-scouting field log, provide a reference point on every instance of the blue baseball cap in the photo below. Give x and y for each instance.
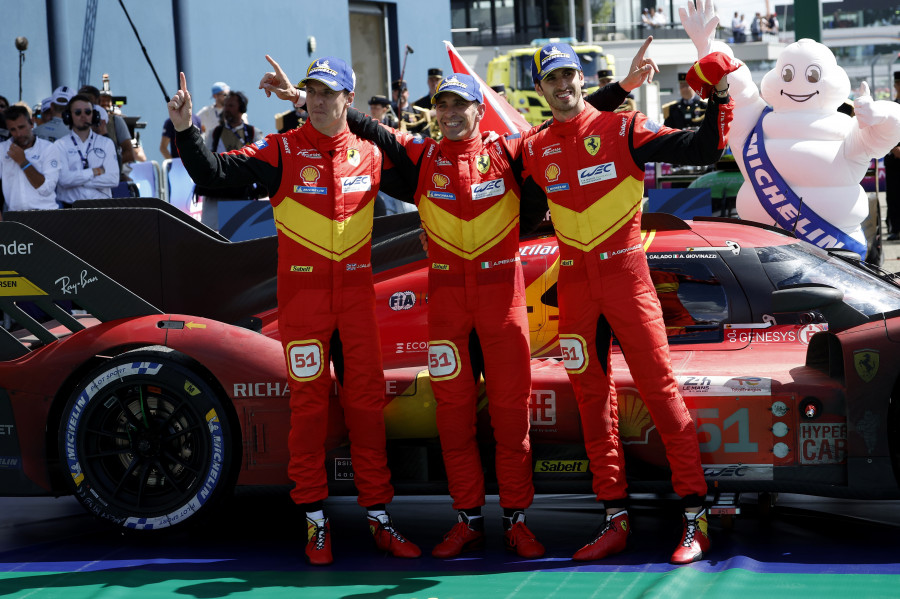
(333, 72)
(462, 85)
(552, 57)
(220, 87)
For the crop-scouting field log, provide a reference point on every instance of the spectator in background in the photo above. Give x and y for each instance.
(89, 169)
(54, 128)
(686, 112)
(29, 166)
(500, 89)
(118, 132)
(737, 29)
(659, 19)
(167, 146)
(210, 116)
(434, 77)
(380, 109)
(756, 27)
(43, 115)
(647, 19)
(773, 23)
(231, 134)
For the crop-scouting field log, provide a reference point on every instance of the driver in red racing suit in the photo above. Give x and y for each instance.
(322, 182)
(591, 166)
(468, 199)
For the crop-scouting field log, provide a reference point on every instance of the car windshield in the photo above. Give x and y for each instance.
(801, 263)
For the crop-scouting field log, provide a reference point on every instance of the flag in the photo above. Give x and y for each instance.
(499, 115)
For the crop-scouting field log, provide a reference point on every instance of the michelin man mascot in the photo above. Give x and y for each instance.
(802, 160)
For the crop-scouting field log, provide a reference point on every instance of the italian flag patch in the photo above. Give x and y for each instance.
(604, 255)
(485, 265)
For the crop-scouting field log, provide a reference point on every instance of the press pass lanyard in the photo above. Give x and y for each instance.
(84, 162)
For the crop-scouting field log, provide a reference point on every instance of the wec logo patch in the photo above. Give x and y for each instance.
(600, 172)
(356, 184)
(488, 189)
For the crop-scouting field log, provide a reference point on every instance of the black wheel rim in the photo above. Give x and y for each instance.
(143, 447)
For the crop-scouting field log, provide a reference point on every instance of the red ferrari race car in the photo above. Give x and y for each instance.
(142, 372)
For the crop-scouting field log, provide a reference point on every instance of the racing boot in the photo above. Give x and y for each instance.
(387, 538)
(466, 535)
(610, 539)
(694, 538)
(318, 543)
(518, 539)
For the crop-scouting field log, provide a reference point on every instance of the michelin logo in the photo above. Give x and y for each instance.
(360, 183)
(488, 189)
(599, 172)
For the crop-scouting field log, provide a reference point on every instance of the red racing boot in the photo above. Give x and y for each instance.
(466, 535)
(387, 538)
(519, 540)
(694, 538)
(609, 540)
(318, 543)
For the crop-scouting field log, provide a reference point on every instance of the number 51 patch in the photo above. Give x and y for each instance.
(443, 360)
(304, 359)
(574, 353)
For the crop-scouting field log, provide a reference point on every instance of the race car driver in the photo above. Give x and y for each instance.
(591, 166)
(322, 181)
(468, 198)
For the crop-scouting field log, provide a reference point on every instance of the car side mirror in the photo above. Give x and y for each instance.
(819, 298)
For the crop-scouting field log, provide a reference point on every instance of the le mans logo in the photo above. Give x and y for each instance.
(592, 144)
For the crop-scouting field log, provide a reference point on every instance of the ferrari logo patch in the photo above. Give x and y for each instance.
(592, 144)
(483, 163)
(353, 156)
(866, 363)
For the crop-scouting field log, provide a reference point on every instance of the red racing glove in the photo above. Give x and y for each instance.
(707, 71)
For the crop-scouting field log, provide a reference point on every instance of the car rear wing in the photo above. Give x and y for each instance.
(165, 257)
(36, 272)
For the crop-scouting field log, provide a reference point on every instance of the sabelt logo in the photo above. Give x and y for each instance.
(568, 466)
(440, 180)
(551, 172)
(310, 175)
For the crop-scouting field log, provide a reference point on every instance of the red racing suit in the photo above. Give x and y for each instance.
(468, 199)
(468, 195)
(322, 190)
(592, 169)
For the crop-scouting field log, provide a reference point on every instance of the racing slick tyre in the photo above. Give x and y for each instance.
(147, 442)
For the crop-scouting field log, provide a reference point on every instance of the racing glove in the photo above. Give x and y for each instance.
(707, 71)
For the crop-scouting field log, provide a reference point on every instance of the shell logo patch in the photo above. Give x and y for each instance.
(483, 163)
(440, 181)
(866, 362)
(635, 423)
(552, 172)
(310, 175)
(592, 144)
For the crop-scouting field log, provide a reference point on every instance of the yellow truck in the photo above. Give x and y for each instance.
(513, 70)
